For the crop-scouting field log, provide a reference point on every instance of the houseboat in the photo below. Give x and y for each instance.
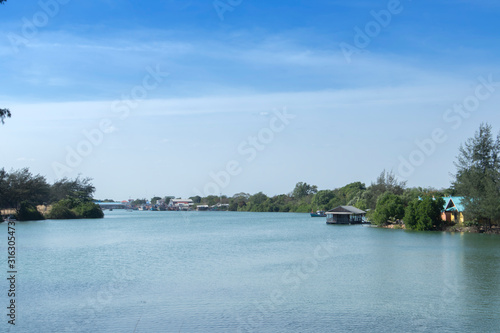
(345, 215)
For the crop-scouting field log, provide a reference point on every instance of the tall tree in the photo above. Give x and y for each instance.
(386, 182)
(22, 185)
(258, 198)
(478, 176)
(65, 188)
(303, 190)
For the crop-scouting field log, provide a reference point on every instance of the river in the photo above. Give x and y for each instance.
(247, 272)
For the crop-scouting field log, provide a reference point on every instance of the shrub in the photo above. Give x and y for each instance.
(28, 212)
(74, 209)
(303, 208)
(61, 211)
(471, 224)
(390, 207)
(424, 214)
(89, 210)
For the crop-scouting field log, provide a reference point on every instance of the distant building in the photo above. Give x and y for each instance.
(220, 206)
(181, 204)
(345, 215)
(453, 210)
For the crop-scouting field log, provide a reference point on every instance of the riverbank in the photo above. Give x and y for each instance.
(495, 230)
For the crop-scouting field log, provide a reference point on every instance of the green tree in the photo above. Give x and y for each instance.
(390, 207)
(22, 185)
(303, 189)
(351, 193)
(424, 214)
(196, 199)
(322, 199)
(283, 201)
(386, 182)
(413, 193)
(240, 199)
(258, 198)
(139, 202)
(233, 206)
(211, 200)
(478, 176)
(78, 188)
(155, 200)
(4, 187)
(28, 212)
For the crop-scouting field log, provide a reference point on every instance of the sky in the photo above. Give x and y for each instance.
(183, 98)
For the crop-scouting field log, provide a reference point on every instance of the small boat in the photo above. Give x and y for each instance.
(319, 213)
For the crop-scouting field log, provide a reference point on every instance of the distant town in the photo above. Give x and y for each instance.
(164, 204)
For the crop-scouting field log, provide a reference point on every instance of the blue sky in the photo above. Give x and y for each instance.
(172, 93)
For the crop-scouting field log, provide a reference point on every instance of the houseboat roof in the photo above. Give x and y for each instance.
(345, 210)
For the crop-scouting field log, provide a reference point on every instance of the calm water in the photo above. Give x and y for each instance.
(248, 272)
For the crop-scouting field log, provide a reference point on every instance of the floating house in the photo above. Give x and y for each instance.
(202, 208)
(453, 210)
(345, 215)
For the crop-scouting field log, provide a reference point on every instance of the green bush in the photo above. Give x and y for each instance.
(61, 211)
(471, 224)
(89, 210)
(303, 208)
(28, 212)
(424, 214)
(390, 207)
(75, 209)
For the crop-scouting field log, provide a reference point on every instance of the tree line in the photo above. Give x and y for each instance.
(68, 198)
(389, 200)
(385, 199)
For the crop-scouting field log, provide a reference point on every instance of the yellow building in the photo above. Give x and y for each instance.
(453, 210)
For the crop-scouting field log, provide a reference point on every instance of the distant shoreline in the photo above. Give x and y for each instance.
(495, 229)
